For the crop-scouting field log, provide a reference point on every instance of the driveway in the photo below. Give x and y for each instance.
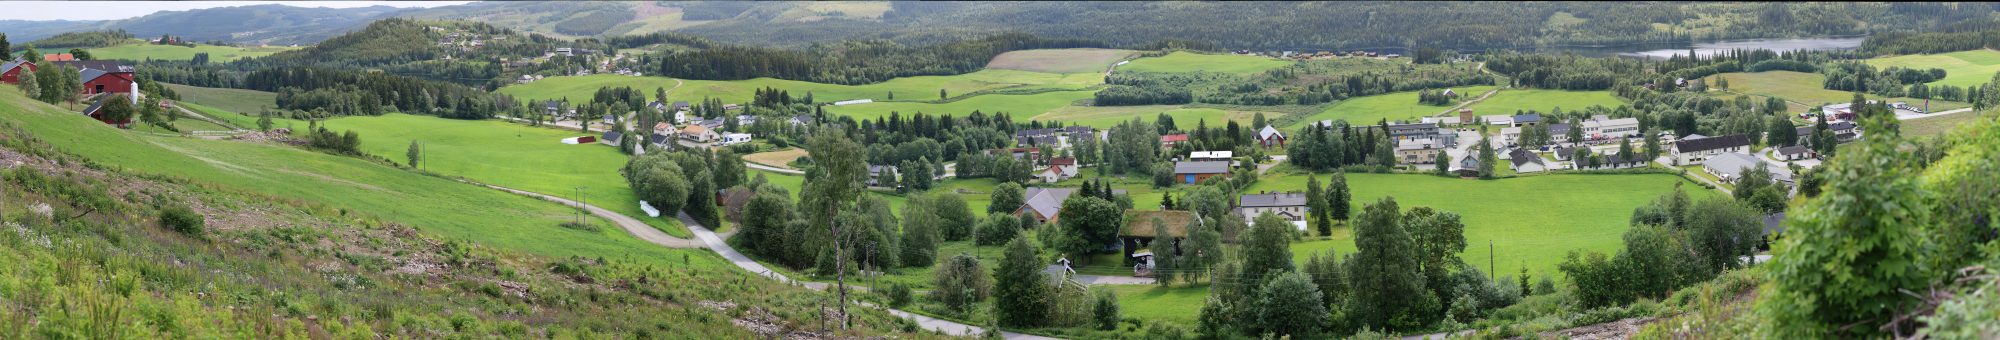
(1933, 114)
(631, 225)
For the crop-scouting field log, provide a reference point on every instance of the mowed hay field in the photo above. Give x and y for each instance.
(1517, 100)
(1196, 62)
(141, 51)
(506, 154)
(1391, 106)
(1531, 221)
(776, 158)
(1104, 117)
(1019, 105)
(1939, 125)
(1961, 69)
(1806, 91)
(447, 208)
(241, 101)
(1069, 60)
(741, 91)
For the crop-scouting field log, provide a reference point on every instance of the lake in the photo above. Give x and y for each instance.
(1706, 49)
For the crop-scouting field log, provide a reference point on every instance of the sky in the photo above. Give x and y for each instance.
(109, 10)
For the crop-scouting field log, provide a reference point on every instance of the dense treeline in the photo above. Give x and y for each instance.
(1888, 82)
(851, 62)
(1894, 43)
(593, 23)
(1324, 147)
(1120, 95)
(82, 40)
(1565, 72)
(350, 92)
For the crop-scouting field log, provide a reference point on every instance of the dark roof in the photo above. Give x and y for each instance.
(1523, 157)
(612, 135)
(1204, 167)
(1837, 126)
(680, 104)
(1793, 150)
(1558, 128)
(1527, 118)
(1046, 201)
(103, 65)
(1276, 199)
(94, 106)
(658, 139)
(1711, 143)
(554, 104)
(1774, 224)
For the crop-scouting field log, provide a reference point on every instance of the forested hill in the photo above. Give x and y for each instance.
(274, 24)
(1336, 25)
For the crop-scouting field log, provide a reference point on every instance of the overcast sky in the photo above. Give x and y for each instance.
(107, 10)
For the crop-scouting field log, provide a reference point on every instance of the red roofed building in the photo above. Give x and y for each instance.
(103, 76)
(58, 57)
(1169, 141)
(10, 72)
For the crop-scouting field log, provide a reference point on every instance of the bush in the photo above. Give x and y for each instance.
(997, 229)
(183, 220)
(1106, 310)
(580, 226)
(898, 294)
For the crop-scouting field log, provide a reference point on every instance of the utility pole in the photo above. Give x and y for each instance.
(1492, 271)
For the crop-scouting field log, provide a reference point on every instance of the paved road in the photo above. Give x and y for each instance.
(631, 225)
(716, 243)
(1933, 114)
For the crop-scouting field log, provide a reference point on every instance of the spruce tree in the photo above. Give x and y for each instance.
(1020, 291)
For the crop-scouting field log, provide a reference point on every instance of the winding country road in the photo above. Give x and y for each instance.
(631, 225)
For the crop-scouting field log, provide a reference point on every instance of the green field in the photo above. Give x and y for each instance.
(235, 100)
(1067, 60)
(1961, 69)
(1192, 62)
(1531, 221)
(447, 208)
(1806, 90)
(1507, 102)
(1939, 125)
(1018, 105)
(1103, 117)
(740, 91)
(1179, 304)
(140, 51)
(506, 154)
(1392, 106)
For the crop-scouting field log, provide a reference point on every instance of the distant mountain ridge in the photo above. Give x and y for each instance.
(273, 24)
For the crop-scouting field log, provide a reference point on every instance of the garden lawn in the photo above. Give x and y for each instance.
(1067, 60)
(1507, 102)
(237, 100)
(1017, 105)
(923, 88)
(1180, 304)
(1961, 69)
(443, 207)
(141, 51)
(1104, 117)
(1392, 106)
(509, 155)
(1195, 62)
(1806, 90)
(1531, 221)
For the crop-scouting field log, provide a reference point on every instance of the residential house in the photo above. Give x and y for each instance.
(1563, 153)
(1558, 133)
(744, 121)
(1730, 167)
(1059, 169)
(553, 108)
(1194, 172)
(882, 176)
(10, 72)
(1467, 165)
(1844, 131)
(1527, 120)
(1527, 162)
(660, 141)
(734, 138)
(1400, 132)
(1169, 141)
(664, 128)
(802, 120)
(1043, 204)
(1418, 151)
(1139, 229)
(680, 105)
(1270, 136)
(1692, 150)
(1444, 121)
(698, 133)
(611, 138)
(1207, 156)
(1796, 152)
(1510, 135)
(1841, 111)
(1027, 154)
(1288, 205)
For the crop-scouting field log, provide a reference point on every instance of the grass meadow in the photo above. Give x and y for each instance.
(1020, 106)
(506, 154)
(1068, 60)
(237, 100)
(141, 51)
(446, 207)
(1192, 62)
(1517, 100)
(1961, 69)
(1805, 90)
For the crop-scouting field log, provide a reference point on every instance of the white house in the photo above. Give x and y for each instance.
(1289, 205)
(1527, 162)
(1059, 169)
(1211, 155)
(735, 138)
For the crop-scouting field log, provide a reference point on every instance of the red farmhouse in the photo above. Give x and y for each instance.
(103, 76)
(10, 72)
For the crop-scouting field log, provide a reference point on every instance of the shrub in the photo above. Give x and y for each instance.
(183, 220)
(898, 294)
(580, 226)
(1106, 310)
(998, 229)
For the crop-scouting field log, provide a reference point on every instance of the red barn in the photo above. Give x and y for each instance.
(103, 76)
(96, 111)
(10, 72)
